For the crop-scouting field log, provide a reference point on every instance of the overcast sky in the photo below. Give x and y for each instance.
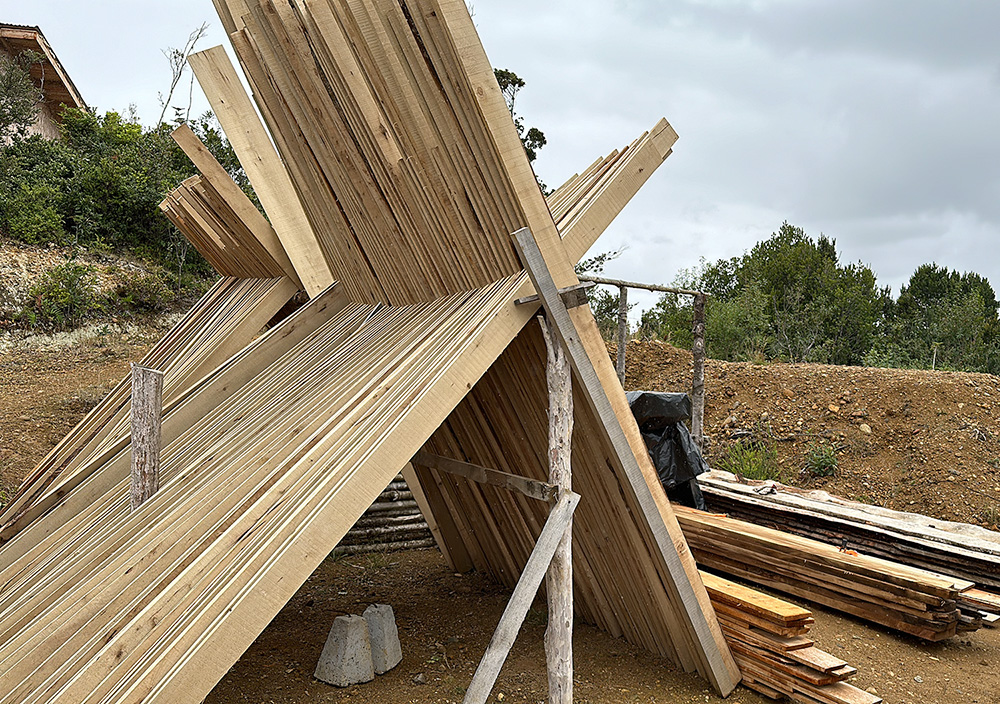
(874, 122)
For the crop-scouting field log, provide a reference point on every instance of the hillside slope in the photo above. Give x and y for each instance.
(921, 441)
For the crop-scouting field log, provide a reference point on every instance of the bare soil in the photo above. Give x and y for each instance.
(446, 620)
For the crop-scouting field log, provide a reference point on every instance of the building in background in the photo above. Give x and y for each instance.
(49, 74)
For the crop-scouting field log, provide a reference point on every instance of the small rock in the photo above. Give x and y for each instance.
(788, 393)
(834, 408)
(420, 678)
(918, 679)
(865, 428)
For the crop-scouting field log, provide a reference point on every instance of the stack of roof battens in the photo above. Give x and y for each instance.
(769, 639)
(904, 598)
(152, 588)
(221, 323)
(217, 232)
(379, 126)
(353, 87)
(969, 552)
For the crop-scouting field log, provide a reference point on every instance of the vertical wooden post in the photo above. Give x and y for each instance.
(146, 416)
(559, 579)
(698, 383)
(622, 332)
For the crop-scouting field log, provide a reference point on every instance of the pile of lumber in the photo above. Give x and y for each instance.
(770, 640)
(389, 164)
(224, 321)
(903, 598)
(966, 551)
(394, 522)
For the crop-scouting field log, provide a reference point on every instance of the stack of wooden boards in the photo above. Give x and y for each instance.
(959, 549)
(399, 173)
(769, 638)
(904, 598)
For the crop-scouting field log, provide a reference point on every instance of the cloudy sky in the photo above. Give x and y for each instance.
(873, 122)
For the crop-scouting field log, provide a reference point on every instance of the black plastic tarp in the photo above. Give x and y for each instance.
(678, 461)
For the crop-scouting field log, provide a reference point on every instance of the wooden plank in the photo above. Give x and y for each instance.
(520, 601)
(694, 603)
(484, 475)
(603, 207)
(263, 166)
(203, 160)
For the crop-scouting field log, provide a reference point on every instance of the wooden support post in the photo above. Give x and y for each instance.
(524, 593)
(622, 332)
(698, 383)
(559, 580)
(146, 417)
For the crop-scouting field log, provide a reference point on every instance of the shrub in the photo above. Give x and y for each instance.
(753, 458)
(821, 460)
(138, 291)
(62, 299)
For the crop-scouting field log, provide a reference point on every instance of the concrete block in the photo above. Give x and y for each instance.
(386, 650)
(347, 655)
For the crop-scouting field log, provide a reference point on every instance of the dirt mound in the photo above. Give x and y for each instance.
(913, 440)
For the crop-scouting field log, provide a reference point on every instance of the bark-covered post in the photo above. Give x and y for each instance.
(698, 383)
(622, 332)
(559, 578)
(147, 408)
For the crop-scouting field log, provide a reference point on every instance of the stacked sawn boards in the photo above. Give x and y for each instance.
(904, 598)
(959, 549)
(769, 638)
(401, 175)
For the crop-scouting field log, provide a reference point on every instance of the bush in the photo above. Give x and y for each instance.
(754, 458)
(821, 460)
(138, 291)
(63, 298)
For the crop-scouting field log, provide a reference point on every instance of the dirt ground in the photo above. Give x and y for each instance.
(446, 620)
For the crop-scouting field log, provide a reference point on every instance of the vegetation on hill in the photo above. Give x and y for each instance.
(790, 298)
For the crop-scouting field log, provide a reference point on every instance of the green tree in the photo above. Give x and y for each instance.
(20, 96)
(942, 318)
(788, 297)
(603, 304)
(101, 185)
(532, 138)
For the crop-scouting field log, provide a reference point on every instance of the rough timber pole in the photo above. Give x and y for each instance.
(622, 332)
(146, 416)
(698, 383)
(559, 579)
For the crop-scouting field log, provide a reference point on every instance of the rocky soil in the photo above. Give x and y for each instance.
(920, 441)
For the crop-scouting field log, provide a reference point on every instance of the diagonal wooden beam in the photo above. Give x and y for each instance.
(694, 601)
(520, 601)
(483, 475)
